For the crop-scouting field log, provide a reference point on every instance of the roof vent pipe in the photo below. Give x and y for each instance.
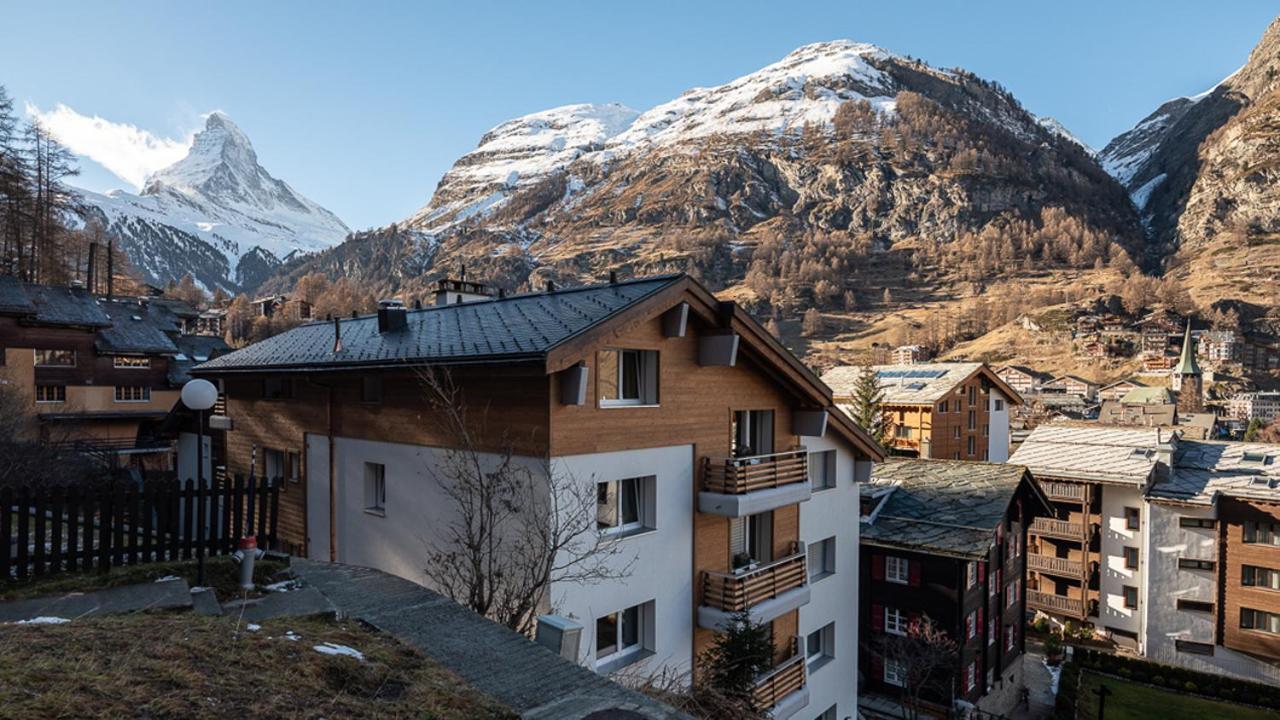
(337, 335)
(613, 277)
(551, 286)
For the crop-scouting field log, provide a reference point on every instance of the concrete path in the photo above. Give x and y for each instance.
(302, 602)
(1039, 682)
(507, 666)
(168, 595)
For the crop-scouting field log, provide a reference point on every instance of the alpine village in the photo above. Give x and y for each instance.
(849, 388)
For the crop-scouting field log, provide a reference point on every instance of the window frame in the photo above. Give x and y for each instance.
(895, 673)
(1136, 559)
(1197, 564)
(375, 488)
(1189, 605)
(126, 393)
(61, 394)
(621, 653)
(826, 637)
(1124, 595)
(1249, 575)
(645, 396)
(1269, 620)
(827, 559)
(131, 362)
(900, 622)
(827, 460)
(901, 570)
(1132, 518)
(1192, 647)
(1255, 532)
(643, 497)
(71, 353)
(1197, 523)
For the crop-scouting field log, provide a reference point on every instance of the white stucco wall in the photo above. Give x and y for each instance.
(829, 513)
(1113, 575)
(661, 560)
(998, 427)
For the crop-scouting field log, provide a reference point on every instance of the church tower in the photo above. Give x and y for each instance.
(1187, 379)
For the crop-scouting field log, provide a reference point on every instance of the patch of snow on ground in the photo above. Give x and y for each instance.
(282, 586)
(291, 635)
(168, 578)
(43, 620)
(1143, 194)
(335, 649)
(253, 627)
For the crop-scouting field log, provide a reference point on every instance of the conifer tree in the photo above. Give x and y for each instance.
(741, 653)
(867, 397)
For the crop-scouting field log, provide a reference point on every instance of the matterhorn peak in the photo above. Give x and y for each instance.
(221, 148)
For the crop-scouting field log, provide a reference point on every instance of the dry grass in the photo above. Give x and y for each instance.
(221, 574)
(162, 665)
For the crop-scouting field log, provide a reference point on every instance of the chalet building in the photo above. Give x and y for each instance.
(909, 355)
(1117, 390)
(1162, 542)
(99, 371)
(212, 322)
(716, 461)
(947, 540)
(955, 411)
(1022, 379)
(1072, 385)
(282, 306)
(1264, 406)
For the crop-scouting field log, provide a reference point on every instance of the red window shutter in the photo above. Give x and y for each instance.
(877, 566)
(877, 668)
(982, 572)
(913, 619)
(979, 624)
(913, 573)
(999, 578)
(877, 618)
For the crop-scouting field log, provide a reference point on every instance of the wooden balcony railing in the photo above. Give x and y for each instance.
(1055, 603)
(1055, 565)
(1064, 491)
(785, 678)
(1058, 528)
(732, 592)
(739, 476)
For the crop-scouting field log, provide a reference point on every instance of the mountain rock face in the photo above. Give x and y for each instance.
(827, 177)
(216, 215)
(1204, 173)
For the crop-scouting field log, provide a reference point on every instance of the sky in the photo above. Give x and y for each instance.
(363, 106)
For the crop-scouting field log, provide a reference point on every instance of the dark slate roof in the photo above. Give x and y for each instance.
(513, 328)
(135, 327)
(57, 305)
(193, 350)
(941, 506)
(13, 297)
(176, 307)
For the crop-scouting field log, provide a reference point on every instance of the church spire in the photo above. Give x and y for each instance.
(1187, 363)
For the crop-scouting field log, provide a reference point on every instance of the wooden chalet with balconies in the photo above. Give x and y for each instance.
(945, 541)
(704, 435)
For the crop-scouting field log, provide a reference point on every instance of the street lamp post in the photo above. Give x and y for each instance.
(199, 395)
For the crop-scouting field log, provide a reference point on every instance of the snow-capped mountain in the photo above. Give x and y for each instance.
(216, 214)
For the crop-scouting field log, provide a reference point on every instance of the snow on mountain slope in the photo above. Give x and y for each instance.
(219, 196)
(1057, 128)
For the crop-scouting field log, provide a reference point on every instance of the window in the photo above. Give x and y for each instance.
(624, 506)
(1132, 518)
(375, 488)
(955, 431)
(1194, 564)
(293, 466)
(1258, 620)
(973, 396)
(970, 676)
(273, 462)
(895, 673)
(986, 430)
(942, 406)
(971, 574)
(752, 432)
(1195, 605)
(970, 446)
(973, 420)
(620, 636)
(896, 570)
(991, 632)
(1195, 648)
(55, 358)
(828, 714)
(1012, 545)
(1012, 598)
(371, 388)
(126, 361)
(1263, 533)
(902, 431)
(1194, 522)
(1130, 596)
(51, 393)
(133, 393)
(628, 377)
(277, 388)
(895, 622)
(991, 584)
(822, 559)
(822, 469)
(820, 646)
(751, 540)
(1009, 639)
(998, 404)
(1261, 577)
(1131, 558)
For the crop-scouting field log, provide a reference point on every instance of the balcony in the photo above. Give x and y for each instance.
(1056, 604)
(1061, 567)
(1066, 492)
(1058, 529)
(737, 487)
(766, 591)
(784, 690)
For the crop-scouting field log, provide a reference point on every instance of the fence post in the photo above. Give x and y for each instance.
(131, 502)
(238, 507)
(37, 504)
(56, 505)
(275, 513)
(226, 500)
(148, 500)
(250, 506)
(105, 511)
(24, 519)
(73, 527)
(188, 515)
(6, 530)
(262, 512)
(118, 508)
(86, 528)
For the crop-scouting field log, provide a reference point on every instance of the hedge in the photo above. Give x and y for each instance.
(1172, 677)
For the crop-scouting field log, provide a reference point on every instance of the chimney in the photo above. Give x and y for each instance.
(111, 267)
(462, 272)
(417, 303)
(90, 278)
(337, 335)
(613, 277)
(551, 286)
(392, 316)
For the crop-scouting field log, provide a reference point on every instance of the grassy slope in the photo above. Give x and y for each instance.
(220, 573)
(1131, 701)
(187, 666)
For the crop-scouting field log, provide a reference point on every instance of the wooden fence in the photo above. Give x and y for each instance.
(55, 529)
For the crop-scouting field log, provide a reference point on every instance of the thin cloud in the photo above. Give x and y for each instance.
(129, 152)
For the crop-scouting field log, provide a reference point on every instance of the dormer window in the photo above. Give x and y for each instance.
(628, 377)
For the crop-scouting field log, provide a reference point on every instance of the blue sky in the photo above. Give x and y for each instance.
(362, 106)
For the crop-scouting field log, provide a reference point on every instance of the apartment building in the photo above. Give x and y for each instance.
(1072, 385)
(717, 465)
(1162, 542)
(953, 411)
(1264, 406)
(947, 540)
(97, 370)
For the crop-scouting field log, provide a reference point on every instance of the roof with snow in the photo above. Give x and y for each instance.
(518, 327)
(942, 506)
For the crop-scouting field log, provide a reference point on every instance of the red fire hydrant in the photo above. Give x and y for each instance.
(244, 557)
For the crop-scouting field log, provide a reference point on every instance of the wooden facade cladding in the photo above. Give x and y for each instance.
(1234, 596)
(946, 434)
(1063, 551)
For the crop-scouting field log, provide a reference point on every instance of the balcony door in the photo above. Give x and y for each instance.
(752, 432)
(751, 540)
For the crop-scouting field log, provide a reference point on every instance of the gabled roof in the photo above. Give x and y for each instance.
(1030, 372)
(918, 384)
(1147, 396)
(136, 327)
(1101, 453)
(56, 305)
(1204, 469)
(1076, 378)
(1126, 381)
(949, 507)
